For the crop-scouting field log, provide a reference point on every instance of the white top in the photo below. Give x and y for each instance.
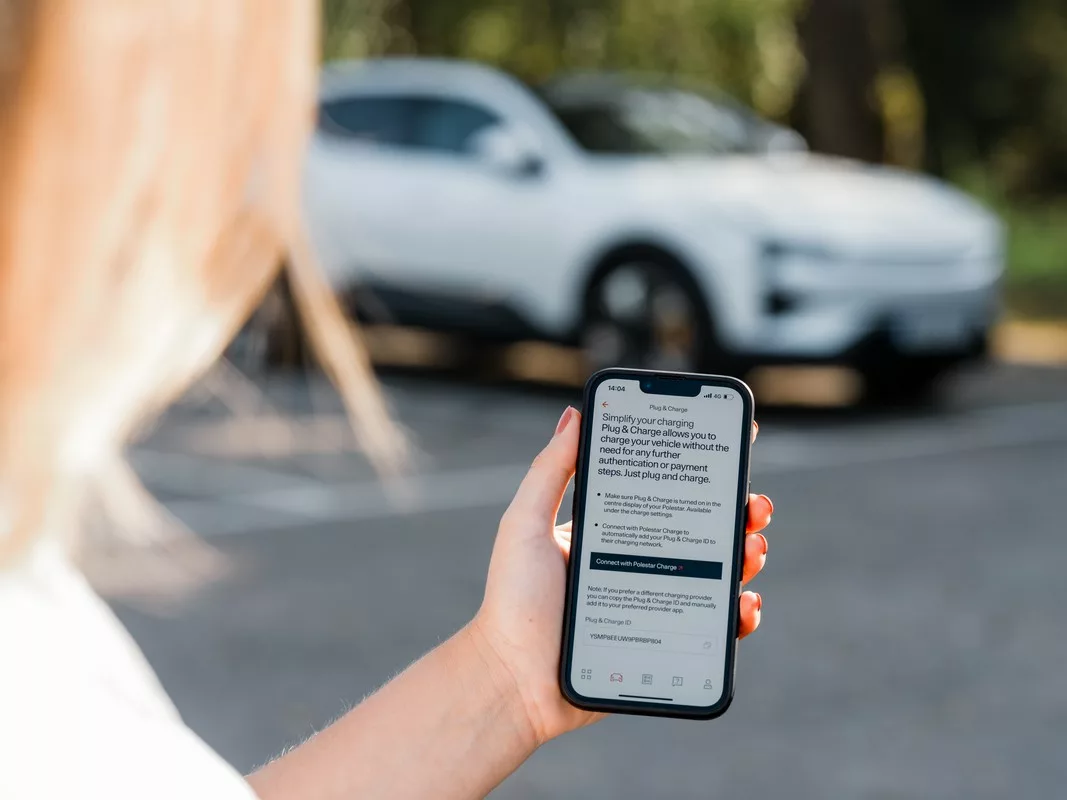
(82, 715)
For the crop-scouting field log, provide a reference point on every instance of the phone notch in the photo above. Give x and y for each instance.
(674, 385)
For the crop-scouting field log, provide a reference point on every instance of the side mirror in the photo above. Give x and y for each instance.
(785, 140)
(508, 152)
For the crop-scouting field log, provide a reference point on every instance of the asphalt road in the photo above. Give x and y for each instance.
(912, 646)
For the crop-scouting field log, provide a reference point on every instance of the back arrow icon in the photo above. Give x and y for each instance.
(604, 404)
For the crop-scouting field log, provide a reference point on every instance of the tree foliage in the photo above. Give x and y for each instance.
(938, 84)
(747, 47)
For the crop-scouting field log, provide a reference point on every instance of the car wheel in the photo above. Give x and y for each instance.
(272, 336)
(643, 310)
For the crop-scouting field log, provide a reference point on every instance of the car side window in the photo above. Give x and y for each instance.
(449, 126)
(381, 120)
(599, 130)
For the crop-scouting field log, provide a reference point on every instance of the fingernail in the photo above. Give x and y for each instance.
(763, 542)
(759, 602)
(755, 426)
(564, 420)
(770, 505)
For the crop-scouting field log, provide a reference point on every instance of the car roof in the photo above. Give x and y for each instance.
(434, 75)
(613, 86)
(605, 87)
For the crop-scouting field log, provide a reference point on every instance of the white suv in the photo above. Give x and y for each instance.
(654, 225)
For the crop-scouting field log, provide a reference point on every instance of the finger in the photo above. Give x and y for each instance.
(760, 510)
(563, 541)
(755, 556)
(751, 612)
(541, 491)
(562, 534)
(755, 430)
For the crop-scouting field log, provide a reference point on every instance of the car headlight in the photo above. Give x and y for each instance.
(778, 249)
(782, 263)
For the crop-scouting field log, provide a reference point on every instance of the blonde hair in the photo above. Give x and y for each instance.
(150, 155)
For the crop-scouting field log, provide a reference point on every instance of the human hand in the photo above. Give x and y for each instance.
(519, 625)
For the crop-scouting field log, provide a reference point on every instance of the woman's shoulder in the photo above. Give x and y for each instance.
(69, 634)
(81, 712)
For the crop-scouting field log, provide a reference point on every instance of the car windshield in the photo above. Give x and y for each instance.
(633, 120)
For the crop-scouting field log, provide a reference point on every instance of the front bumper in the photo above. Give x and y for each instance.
(849, 314)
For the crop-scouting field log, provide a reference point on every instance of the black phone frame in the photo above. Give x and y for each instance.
(660, 380)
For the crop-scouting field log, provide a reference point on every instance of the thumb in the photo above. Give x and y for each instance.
(541, 491)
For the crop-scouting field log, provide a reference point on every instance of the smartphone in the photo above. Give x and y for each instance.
(657, 541)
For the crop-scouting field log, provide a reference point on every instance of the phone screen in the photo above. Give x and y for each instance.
(652, 600)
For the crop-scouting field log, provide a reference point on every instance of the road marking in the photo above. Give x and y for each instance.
(188, 473)
(251, 499)
(468, 488)
(299, 506)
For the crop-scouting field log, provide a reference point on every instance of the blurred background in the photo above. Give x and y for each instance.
(860, 206)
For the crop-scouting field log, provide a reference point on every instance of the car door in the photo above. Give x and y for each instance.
(361, 190)
(398, 200)
(483, 229)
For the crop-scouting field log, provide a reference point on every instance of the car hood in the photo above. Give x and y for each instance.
(812, 201)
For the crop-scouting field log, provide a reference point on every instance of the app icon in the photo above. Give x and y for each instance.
(676, 681)
(707, 683)
(587, 674)
(646, 679)
(616, 677)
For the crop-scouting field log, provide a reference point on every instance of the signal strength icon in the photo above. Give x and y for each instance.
(709, 394)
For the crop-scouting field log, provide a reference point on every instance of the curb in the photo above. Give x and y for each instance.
(1030, 343)
(1019, 342)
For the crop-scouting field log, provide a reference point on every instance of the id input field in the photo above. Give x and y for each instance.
(657, 641)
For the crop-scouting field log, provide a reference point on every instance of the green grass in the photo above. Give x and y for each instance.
(1035, 281)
